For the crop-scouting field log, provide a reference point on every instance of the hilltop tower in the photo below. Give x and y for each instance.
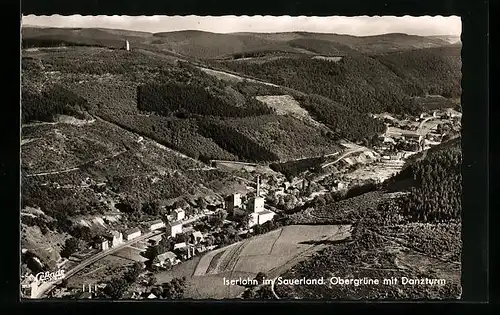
(127, 45)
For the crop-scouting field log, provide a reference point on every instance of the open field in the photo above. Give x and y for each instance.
(225, 76)
(283, 104)
(379, 171)
(332, 59)
(271, 253)
(431, 102)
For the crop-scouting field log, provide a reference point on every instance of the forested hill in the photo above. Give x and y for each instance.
(435, 188)
(368, 84)
(434, 71)
(207, 45)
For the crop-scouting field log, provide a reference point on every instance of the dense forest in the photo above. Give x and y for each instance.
(433, 71)
(61, 42)
(235, 142)
(369, 84)
(288, 137)
(293, 168)
(188, 99)
(46, 105)
(437, 190)
(357, 82)
(323, 47)
(347, 124)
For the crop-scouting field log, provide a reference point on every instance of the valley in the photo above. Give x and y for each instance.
(325, 130)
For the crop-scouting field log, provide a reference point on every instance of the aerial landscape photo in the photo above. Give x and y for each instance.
(261, 157)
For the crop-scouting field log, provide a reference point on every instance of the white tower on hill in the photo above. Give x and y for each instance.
(127, 45)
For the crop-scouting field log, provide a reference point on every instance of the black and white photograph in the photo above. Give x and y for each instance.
(241, 158)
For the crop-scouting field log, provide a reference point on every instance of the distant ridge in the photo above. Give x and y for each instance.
(209, 45)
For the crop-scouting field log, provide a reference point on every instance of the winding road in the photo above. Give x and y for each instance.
(346, 153)
(424, 121)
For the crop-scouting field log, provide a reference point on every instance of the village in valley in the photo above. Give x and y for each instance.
(186, 230)
(198, 165)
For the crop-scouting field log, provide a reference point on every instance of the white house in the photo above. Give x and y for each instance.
(156, 225)
(179, 214)
(180, 245)
(29, 287)
(264, 216)
(198, 237)
(116, 238)
(256, 204)
(102, 243)
(161, 259)
(388, 140)
(174, 228)
(132, 233)
(233, 201)
(261, 217)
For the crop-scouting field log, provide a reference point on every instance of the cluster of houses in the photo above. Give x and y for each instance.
(254, 207)
(115, 238)
(182, 250)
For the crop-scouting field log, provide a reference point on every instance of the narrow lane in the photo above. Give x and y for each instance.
(46, 287)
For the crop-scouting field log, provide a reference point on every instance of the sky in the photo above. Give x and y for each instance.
(358, 26)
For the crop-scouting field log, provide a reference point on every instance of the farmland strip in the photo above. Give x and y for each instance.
(274, 243)
(213, 262)
(232, 255)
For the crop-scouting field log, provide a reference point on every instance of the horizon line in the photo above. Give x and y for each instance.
(228, 33)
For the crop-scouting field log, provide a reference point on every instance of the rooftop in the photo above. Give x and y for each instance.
(167, 255)
(131, 231)
(174, 223)
(197, 234)
(115, 233)
(155, 221)
(265, 212)
(180, 245)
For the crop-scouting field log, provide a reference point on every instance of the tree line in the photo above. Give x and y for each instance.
(347, 124)
(184, 100)
(235, 142)
(357, 82)
(46, 105)
(437, 192)
(292, 169)
(433, 71)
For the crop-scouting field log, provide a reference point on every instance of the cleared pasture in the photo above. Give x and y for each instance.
(263, 246)
(206, 259)
(271, 253)
(283, 104)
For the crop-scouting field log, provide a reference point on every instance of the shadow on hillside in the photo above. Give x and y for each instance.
(326, 242)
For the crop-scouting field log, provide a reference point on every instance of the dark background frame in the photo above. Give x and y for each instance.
(475, 123)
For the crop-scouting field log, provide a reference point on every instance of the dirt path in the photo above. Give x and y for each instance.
(26, 141)
(76, 168)
(148, 140)
(39, 124)
(220, 73)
